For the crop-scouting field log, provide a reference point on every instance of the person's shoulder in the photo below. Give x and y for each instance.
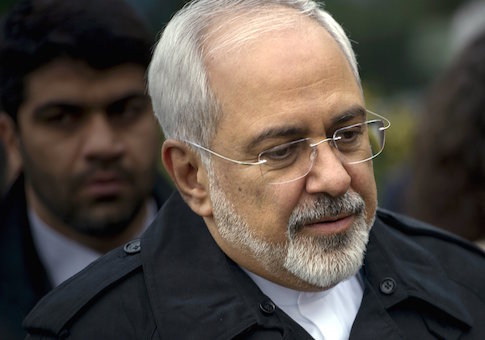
(426, 233)
(116, 272)
(460, 259)
(13, 200)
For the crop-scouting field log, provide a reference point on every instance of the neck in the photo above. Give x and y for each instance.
(101, 244)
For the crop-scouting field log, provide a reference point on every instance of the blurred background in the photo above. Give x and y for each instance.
(402, 48)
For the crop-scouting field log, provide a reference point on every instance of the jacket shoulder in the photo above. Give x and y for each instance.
(462, 261)
(59, 307)
(424, 231)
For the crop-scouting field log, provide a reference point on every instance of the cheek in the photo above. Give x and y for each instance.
(146, 153)
(143, 143)
(149, 128)
(363, 182)
(267, 208)
(287, 196)
(52, 156)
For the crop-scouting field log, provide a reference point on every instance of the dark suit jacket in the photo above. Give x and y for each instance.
(176, 283)
(23, 278)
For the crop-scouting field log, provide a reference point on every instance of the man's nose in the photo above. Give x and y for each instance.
(101, 140)
(328, 174)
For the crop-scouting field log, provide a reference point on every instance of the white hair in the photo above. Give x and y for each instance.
(183, 100)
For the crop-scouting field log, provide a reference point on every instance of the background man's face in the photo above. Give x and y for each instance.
(282, 87)
(89, 143)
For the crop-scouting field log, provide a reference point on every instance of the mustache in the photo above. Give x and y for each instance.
(324, 206)
(119, 171)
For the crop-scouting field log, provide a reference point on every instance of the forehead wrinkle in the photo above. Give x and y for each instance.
(226, 35)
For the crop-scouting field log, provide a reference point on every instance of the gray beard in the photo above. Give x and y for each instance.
(321, 261)
(324, 261)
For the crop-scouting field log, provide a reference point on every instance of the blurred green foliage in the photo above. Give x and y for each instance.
(6, 4)
(387, 36)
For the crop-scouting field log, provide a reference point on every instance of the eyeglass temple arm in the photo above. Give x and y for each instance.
(387, 121)
(224, 157)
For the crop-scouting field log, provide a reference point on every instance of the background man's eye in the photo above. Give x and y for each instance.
(62, 115)
(129, 108)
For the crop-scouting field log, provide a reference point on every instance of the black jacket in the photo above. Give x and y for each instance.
(175, 283)
(23, 278)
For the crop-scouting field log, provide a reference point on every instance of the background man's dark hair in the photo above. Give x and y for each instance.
(102, 33)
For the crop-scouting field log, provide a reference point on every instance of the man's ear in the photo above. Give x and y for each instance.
(189, 175)
(10, 140)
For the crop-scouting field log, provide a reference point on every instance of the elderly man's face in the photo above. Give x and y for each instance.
(310, 233)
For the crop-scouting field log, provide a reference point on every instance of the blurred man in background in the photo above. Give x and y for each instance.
(72, 82)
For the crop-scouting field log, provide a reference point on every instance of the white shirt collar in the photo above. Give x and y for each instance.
(325, 315)
(61, 256)
(481, 243)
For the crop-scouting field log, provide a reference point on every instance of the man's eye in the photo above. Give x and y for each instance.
(349, 135)
(280, 152)
(128, 109)
(60, 116)
(283, 155)
(350, 139)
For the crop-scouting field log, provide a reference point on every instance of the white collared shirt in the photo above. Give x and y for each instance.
(63, 257)
(326, 315)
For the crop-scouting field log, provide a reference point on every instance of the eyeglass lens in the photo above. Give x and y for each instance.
(291, 161)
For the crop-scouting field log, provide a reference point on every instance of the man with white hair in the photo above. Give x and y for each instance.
(273, 233)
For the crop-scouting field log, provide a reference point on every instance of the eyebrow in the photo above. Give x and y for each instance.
(291, 131)
(348, 115)
(276, 132)
(38, 112)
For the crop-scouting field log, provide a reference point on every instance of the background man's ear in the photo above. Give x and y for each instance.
(188, 174)
(9, 138)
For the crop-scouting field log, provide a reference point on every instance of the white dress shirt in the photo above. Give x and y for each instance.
(326, 315)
